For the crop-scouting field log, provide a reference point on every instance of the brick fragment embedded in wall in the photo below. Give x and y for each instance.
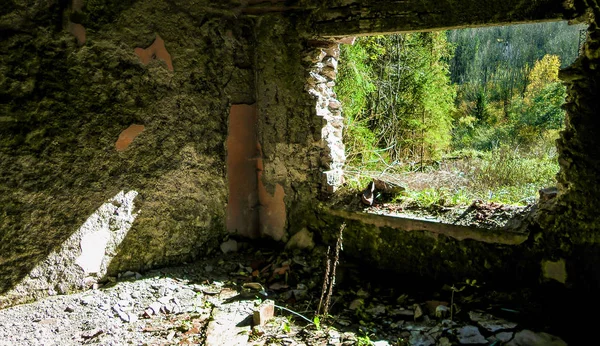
(78, 31)
(242, 162)
(156, 50)
(127, 136)
(320, 82)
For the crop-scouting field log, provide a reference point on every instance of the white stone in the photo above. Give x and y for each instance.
(331, 62)
(470, 335)
(301, 240)
(529, 338)
(229, 246)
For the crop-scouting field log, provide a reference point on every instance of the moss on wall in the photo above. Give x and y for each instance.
(431, 256)
(62, 108)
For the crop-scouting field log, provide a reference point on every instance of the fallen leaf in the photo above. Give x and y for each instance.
(278, 286)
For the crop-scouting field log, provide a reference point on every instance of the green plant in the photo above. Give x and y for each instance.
(317, 322)
(286, 326)
(364, 340)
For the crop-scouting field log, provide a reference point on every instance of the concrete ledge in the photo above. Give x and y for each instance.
(493, 236)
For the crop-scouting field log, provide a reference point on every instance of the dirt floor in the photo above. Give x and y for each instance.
(213, 302)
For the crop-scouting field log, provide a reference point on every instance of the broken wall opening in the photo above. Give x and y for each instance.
(442, 119)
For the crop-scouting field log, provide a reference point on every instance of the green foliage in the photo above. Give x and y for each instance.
(501, 115)
(317, 322)
(397, 98)
(354, 85)
(364, 341)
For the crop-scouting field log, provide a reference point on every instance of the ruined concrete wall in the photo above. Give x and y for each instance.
(320, 83)
(73, 77)
(564, 237)
(289, 132)
(570, 223)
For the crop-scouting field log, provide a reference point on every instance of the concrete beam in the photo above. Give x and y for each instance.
(458, 232)
(353, 17)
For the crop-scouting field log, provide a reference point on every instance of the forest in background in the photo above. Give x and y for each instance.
(457, 115)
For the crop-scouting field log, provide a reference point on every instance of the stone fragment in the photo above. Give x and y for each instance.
(403, 313)
(346, 40)
(333, 337)
(381, 343)
(315, 78)
(122, 314)
(470, 335)
(331, 62)
(229, 246)
(490, 322)
(91, 333)
(329, 72)
(334, 104)
(87, 300)
(529, 338)
(333, 50)
(356, 303)
(555, 270)
(504, 336)
(264, 312)
(165, 299)
(377, 310)
(127, 274)
(444, 342)
(548, 194)
(418, 339)
(301, 240)
(418, 311)
(315, 56)
(125, 295)
(70, 308)
(154, 308)
(442, 311)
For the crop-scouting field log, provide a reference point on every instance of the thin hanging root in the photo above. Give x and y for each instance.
(329, 280)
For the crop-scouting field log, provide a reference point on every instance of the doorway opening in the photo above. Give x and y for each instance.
(453, 117)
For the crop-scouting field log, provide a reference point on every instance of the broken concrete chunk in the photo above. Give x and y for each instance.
(416, 338)
(229, 246)
(356, 303)
(490, 322)
(555, 270)
(529, 338)
(418, 311)
(264, 312)
(301, 240)
(470, 335)
(442, 311)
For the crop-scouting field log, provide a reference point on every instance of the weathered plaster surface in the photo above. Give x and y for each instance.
(289, 132)
(64, 103)
(72, 82)
(84, 257)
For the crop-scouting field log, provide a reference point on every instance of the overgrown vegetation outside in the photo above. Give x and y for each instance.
(458, 115)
